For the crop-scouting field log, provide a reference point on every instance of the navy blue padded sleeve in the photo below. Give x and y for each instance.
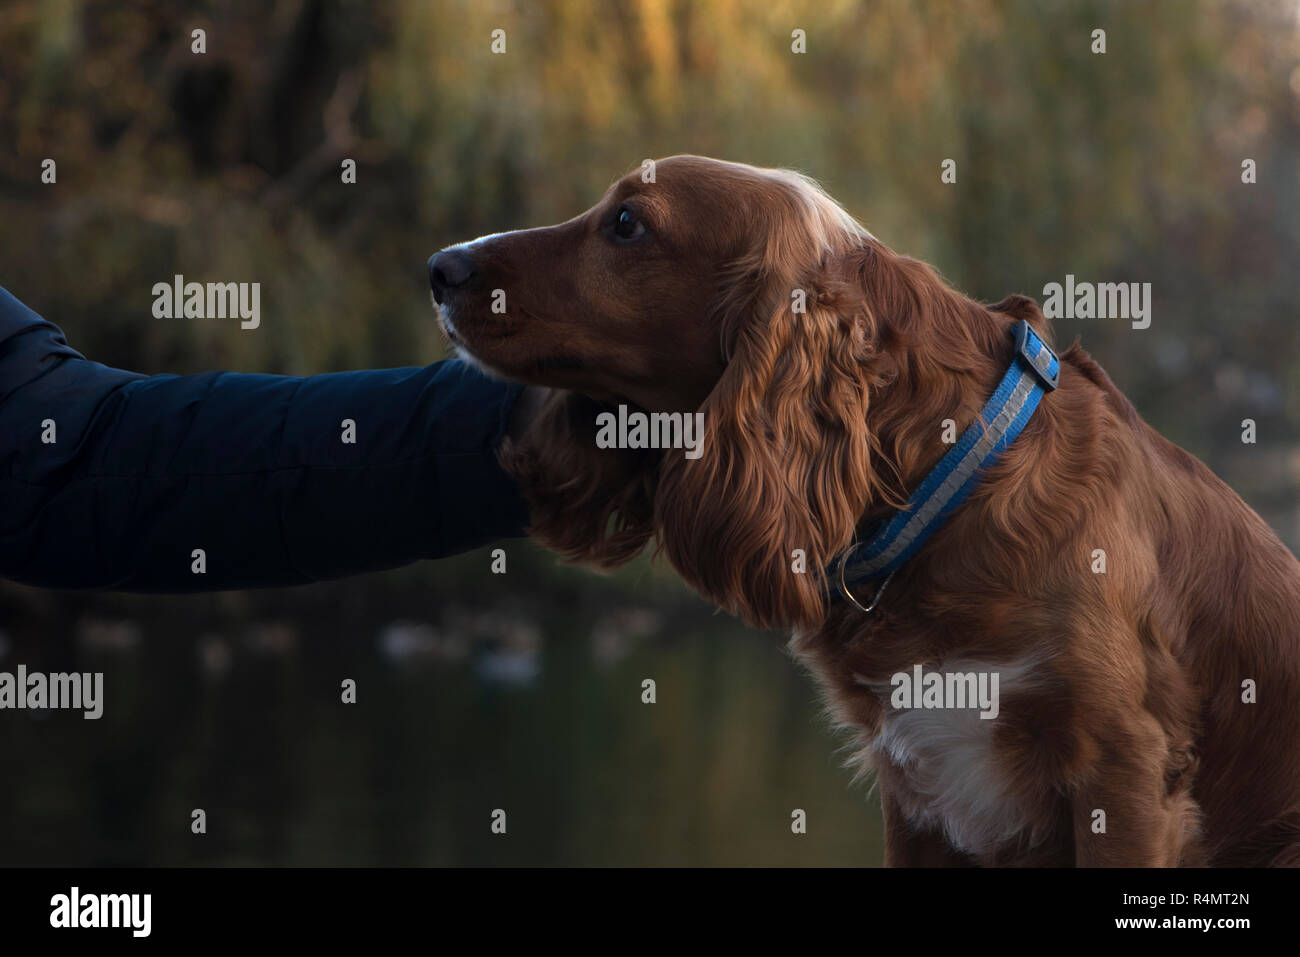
(250, 469)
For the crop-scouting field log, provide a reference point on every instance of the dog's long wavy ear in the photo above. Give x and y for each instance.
(785, 469)
(591, 505)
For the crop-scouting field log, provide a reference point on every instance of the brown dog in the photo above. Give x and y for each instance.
(1141, 622)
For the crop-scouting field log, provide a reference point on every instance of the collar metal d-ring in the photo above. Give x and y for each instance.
(844, 590)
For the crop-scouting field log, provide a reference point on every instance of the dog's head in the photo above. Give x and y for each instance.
(631, 299)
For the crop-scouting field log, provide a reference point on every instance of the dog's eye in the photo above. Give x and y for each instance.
(626, 225)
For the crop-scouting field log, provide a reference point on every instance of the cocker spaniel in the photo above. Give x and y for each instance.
(1057, 637)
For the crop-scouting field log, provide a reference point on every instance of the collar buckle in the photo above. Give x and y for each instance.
(1037, 355)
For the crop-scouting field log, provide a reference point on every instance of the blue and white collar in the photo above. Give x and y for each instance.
(1033, 373)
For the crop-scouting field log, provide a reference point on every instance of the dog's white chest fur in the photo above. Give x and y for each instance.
(949, 759)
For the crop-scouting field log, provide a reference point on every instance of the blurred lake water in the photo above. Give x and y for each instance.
(466, 710)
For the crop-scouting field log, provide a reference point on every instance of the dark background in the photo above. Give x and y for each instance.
(523, 693)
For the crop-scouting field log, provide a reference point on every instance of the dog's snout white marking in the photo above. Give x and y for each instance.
(482, 239)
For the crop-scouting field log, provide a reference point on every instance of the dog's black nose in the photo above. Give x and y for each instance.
(449, 269)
